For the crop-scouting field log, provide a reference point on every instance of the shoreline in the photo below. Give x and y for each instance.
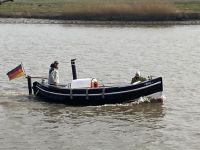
(86, 22)
(101, 13)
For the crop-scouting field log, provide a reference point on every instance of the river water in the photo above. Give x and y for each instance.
(112, 54)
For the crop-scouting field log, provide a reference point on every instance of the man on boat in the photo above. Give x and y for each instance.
(53, 74)
(137, 78)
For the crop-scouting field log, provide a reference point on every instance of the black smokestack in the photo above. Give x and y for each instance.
(74, 69)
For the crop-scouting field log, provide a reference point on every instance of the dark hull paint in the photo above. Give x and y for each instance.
(97, 96)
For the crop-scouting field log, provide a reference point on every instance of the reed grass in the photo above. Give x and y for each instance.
(128, 10)
(142, 7)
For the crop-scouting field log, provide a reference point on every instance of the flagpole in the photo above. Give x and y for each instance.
(28, 80)
(23, 69)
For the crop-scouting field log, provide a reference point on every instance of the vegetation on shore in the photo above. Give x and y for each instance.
(126, 10)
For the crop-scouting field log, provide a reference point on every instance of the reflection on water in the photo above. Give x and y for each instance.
(148, 110)
(35, 121)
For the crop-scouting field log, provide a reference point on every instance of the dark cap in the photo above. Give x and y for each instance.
(56, 62)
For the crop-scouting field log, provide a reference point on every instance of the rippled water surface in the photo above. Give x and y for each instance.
(113, 55)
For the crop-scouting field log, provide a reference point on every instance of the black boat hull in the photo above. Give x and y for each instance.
(97, 96)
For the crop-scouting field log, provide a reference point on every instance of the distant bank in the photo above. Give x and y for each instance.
(103, 11)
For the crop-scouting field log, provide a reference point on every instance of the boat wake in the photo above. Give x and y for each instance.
(12, 94)
(150, 100)
(154, 98)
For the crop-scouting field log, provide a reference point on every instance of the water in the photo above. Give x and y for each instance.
(112, 54)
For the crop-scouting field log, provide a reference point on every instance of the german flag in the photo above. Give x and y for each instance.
(16, 72)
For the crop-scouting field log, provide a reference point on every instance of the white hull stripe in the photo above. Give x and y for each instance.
(111, 93)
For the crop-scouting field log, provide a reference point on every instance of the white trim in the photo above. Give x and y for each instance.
(111, 93)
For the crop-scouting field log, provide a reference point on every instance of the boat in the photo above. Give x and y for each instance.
(75, 94)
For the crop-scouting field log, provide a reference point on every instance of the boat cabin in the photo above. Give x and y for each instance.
(85, 83)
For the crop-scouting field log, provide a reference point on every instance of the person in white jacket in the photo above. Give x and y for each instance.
(53, 74)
